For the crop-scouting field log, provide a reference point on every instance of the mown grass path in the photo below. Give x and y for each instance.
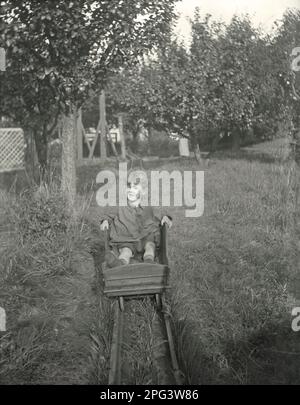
(233, 272)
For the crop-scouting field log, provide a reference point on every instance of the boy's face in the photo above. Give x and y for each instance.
(134, 191)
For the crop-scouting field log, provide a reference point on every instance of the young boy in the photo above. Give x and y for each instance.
(134, 229)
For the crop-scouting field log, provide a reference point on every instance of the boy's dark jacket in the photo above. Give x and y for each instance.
(132, 224)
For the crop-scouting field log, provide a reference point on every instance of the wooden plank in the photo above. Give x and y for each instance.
(79, 136)
(164, 246)
(110, 140)
(135, 292)
(102, 125)
(116, 349)
(122, 138)
(133, 276)
(137, 284)
(87, 142)
(138, 277)
(92, 148)
(81, 129)
(135, 280)
(138, 269)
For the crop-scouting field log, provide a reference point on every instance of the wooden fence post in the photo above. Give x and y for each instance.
(102, 125)
(79, 136)
(121, 130)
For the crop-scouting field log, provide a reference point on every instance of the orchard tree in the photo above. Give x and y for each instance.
(137, 92)
(206, 78)
(235, 77)
(269, 108)
(284, 47)
(160, 91)
(225, 83)
(58, 52)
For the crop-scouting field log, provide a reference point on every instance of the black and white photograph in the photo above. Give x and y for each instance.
(149, 195)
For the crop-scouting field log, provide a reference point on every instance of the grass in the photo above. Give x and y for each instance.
(233, 274)
(139, 341)
(233, 271)
(46, 281)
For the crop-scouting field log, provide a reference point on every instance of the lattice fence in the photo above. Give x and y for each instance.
(12, 149)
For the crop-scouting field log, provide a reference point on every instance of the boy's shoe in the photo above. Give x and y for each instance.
(113, 261)
(149, 259)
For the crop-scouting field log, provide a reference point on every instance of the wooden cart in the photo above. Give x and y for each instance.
(138, 279)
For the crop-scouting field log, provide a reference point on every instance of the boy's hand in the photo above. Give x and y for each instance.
(166, 220)
(104, 226)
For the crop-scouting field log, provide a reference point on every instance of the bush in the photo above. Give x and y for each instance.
(161, 145)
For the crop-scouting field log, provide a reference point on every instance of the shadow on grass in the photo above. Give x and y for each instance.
(267, 357)
(196, 366)
(15, 181)
(248, 155)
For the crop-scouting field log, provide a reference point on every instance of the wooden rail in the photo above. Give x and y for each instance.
(115, 373)
(116, 365)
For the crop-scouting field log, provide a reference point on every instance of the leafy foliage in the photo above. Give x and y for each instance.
(58, 52)
(229, 81)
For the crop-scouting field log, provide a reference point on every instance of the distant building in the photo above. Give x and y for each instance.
(184, 147)
(115, 134)
(90, 134)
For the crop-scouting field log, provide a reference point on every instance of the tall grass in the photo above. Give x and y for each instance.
(46, 273)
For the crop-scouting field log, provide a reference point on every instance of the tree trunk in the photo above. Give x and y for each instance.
(30, 157)
(195, 147)
(79, 136)
(215, 142)
(68, 167)
(41, 145)
(236, 140)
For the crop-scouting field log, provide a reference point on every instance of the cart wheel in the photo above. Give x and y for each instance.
(121, 304)
(158, 301)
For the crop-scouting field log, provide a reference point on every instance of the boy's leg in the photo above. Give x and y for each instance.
(125, 255)
(111, 259)
(118, 256)
(149, 254)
